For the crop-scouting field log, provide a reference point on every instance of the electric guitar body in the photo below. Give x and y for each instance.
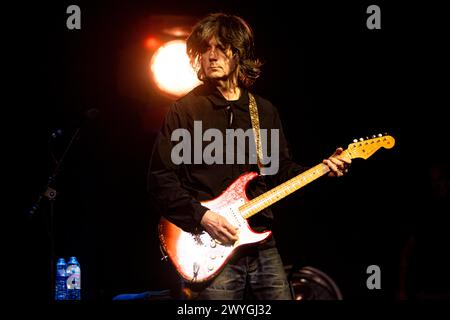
(198, 257)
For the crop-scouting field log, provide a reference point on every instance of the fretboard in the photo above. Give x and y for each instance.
(270, 197)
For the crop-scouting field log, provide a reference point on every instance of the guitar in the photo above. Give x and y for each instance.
(198, 257)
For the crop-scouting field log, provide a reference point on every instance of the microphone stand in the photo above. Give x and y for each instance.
(50, 193)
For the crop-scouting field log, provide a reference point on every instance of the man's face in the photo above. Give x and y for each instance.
(217, 62)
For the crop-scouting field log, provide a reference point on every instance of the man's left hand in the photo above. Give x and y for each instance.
(338, 163)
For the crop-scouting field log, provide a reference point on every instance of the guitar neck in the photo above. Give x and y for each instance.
(359, 149)
(270, 197)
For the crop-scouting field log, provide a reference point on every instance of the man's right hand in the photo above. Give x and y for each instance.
(219, 228)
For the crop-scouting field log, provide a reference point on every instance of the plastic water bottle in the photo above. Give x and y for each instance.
(60, 280)
(73, 272)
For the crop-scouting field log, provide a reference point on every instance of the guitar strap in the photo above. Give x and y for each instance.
(256, 132)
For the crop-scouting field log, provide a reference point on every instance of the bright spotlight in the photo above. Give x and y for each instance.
(171, 69)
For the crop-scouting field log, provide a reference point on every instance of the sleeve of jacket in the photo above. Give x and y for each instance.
(167, 193)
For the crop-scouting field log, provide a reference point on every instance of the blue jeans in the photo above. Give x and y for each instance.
(255, 272)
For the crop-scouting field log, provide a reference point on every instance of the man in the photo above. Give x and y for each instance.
(221, 50)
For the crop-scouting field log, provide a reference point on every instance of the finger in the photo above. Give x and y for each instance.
(216, 235)
(232, 233)
(231, 229)
(343, 157)
(346, 160)
(338, 173)
(337, 152)
(339, 164)
(220, 237)
(331, 165)
(227, 236)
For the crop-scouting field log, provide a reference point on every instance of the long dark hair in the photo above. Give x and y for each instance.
(231, 32)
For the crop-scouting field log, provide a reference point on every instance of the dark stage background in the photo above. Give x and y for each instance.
(332, 80)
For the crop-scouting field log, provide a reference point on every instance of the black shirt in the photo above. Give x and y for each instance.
(178, 189)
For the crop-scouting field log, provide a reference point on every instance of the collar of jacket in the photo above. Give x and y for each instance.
(218, 100)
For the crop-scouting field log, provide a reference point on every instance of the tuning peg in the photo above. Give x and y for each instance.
(380, 135)
(355, 140)
(374, 136)
(361, 139)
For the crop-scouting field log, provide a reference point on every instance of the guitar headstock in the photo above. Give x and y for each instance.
(364, 148)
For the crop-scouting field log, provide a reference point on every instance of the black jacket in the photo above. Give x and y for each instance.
(177, 190)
